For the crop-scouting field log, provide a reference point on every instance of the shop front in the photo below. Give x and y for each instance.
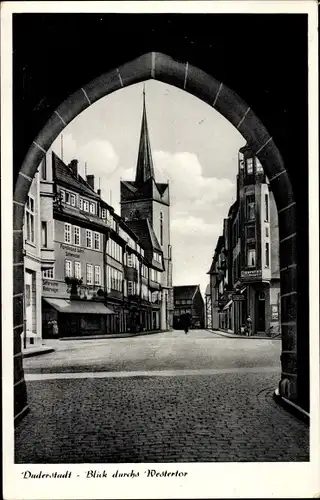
(74, 318)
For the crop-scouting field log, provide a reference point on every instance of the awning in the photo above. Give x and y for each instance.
(78, 306)
(227, 305)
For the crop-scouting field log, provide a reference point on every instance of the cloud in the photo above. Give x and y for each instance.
(99, 155)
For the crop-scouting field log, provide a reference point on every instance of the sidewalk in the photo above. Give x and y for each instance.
(51, 345)
(110, 336)
(29, 352)
(235, 336)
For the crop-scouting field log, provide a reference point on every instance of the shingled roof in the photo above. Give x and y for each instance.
(64, 175)
(185, 292)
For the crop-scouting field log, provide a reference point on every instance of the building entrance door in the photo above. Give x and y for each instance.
(261, 312)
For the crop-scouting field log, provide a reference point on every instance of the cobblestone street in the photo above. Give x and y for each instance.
(107, 408)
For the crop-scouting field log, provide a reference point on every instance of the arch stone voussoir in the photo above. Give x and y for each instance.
(136, 71)
(201, 85)
(72, 107)
(288, 277)
(169, 70)
(256, 134)
(232, 107)
(103, 85)
(287, 219)
(283, 193)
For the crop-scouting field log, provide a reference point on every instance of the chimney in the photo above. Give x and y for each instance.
(99, 192)
(90, 181)
(73, 165)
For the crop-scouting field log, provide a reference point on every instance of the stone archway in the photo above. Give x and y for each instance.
(161, 67)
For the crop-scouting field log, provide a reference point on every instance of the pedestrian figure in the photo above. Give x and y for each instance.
(55, 329)
(185, 322)
(249, 325)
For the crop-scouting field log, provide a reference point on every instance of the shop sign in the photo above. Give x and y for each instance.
(51, 288)
(238, 297)
(254, 273)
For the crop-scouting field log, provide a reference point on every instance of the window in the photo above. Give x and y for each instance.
(73, 200)
(67, 232)
(76, 235)
(97, 275)
(161, 228)
(30, 219)
(44, 234)
(129, 261)
(259, 168)
(97, 241)
(250, 207)
(130, 288)
(104, 213)
(88, 238)
(62, 195)
(267, 255)
(115, 250)
(77, 270)
(48, 273)
(169, 252)
(92, 208)
(266, 207)
(125, 288)
(68, 268)
(241, 161)
(81, 203)
(249, 166)
(67, 200)
(89, 274)
(44, 168)
(267, 232)
(251, 256)
(85, 205)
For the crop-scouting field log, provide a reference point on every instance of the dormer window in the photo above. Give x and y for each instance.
(103, 213)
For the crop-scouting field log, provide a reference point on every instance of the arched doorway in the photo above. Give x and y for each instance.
(185, 76)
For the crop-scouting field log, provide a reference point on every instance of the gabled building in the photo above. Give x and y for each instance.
(145, 206)
(244, 274)
(188, 301)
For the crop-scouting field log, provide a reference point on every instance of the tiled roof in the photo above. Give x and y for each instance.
(63, 173)
(143, 229)
(184, 292)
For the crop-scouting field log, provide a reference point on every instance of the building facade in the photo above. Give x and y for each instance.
(244, 275)
(188, 301)
(148, 202)
(99, 278)
(32, 332)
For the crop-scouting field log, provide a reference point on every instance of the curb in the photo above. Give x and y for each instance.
(111, 336)
(234, 336)
(292, 408)
(37, 352)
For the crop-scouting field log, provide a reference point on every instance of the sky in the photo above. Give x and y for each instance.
(193, 147)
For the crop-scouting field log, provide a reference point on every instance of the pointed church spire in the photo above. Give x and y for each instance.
(144, 169)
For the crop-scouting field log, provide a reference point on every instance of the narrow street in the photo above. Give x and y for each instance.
(158, 398)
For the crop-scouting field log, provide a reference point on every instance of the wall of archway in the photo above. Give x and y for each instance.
(185, 76)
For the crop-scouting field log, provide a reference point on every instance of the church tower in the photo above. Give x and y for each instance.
(144, 199)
